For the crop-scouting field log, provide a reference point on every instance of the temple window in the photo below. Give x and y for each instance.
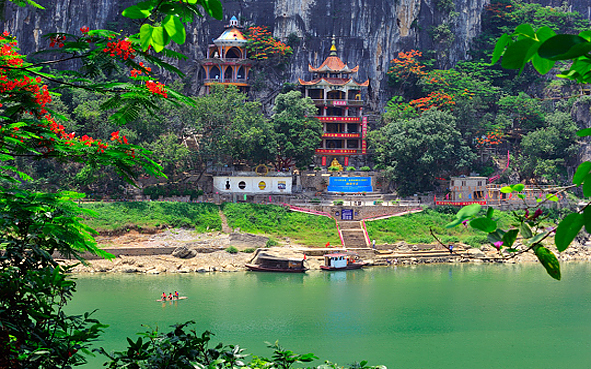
(215, 73)
(352, 144)
(234, 53)
(228, 74)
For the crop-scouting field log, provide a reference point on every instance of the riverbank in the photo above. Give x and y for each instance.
(186, 251)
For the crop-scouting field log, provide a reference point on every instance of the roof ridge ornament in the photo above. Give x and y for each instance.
(333, 48)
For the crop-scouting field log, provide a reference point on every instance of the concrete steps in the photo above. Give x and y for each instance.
(353, 234)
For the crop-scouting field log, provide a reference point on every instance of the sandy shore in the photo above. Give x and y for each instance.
(210, 256)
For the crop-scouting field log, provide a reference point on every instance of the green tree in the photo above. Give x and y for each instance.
(546, 152)
(297, 133)
(543, 48)
(415, 151)
(171, 154)
(35, 332)
(229, 129)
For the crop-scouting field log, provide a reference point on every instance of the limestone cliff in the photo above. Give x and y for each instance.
(369, 33)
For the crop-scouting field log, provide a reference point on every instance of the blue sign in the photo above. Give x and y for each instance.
(349, 184)
(347, 214)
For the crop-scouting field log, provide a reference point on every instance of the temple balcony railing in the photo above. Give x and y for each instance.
(226, 61)
(338, 102)
(341, 135)
(340, 151)
(226, 80)
(334, 119)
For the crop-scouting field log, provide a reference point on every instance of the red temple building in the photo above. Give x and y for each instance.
(340, 108)
(226, 61)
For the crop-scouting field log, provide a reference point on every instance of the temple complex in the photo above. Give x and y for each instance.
(226, 61)
(338, 98)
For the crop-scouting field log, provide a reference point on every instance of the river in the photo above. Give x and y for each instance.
(432, 316)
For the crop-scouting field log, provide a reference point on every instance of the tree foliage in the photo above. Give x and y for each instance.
(297, 133)
(415, 151)
(229, 129)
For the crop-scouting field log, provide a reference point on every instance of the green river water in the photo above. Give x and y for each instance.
(435, 316)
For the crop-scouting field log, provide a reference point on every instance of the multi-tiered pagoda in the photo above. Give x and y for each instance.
(340, 105)
(227, 61)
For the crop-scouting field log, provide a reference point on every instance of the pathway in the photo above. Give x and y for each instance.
(225, 227)
(353, 234)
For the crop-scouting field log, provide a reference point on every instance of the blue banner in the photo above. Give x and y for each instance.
(349, 184)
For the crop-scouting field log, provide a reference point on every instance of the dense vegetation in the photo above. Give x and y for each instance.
(485, 111)
(122, 215)
(416, 228)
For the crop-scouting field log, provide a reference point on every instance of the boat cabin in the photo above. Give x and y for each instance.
(336, 260)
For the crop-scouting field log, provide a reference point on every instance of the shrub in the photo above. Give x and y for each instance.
(351, 169)
(475, 240)
(315, 201)
(421, 239)
(231, 250)
(248, 250)
(338, 202)
(271, 242)
(317, 169)
(365, 169)
(379, 202)
(333, 169)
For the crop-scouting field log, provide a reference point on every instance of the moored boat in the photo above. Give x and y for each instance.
(266, 260)
(342, 261)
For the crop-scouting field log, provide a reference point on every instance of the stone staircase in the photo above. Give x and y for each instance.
(353, 234)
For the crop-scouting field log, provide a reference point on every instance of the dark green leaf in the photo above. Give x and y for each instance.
(587, 219)
(584, 132)
(587, 186)
(213, 8)
(500, 47)
(542, 65)
(549, 261)
(484, 224)
(496, 236)
(525, 231)
(567, 230)
(510, 237)
(557, 47)
(489, 212)
(537, 238)
(517, 53)
(581, 172)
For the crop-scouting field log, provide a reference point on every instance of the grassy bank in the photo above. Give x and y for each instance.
(271, 220)
(414, 228)
(277, 222)
(114, 216)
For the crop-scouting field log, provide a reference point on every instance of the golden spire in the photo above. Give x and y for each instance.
(333, 48)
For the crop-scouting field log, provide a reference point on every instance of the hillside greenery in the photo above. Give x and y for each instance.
(113, 216)
(278, 222)
(271, 220)
(415, 228)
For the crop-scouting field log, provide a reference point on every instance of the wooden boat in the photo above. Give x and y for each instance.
(342, 261)
(266, 260)
(173, 299)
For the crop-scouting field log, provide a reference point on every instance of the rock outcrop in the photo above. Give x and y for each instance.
(369, 33)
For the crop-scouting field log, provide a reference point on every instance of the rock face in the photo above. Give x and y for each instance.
(369, 33)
